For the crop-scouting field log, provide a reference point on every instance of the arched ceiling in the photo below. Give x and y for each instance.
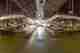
(53, 6)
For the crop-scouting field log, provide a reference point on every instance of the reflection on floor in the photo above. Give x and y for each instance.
(65, 42)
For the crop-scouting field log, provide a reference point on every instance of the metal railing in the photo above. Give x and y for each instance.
(23, 23)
